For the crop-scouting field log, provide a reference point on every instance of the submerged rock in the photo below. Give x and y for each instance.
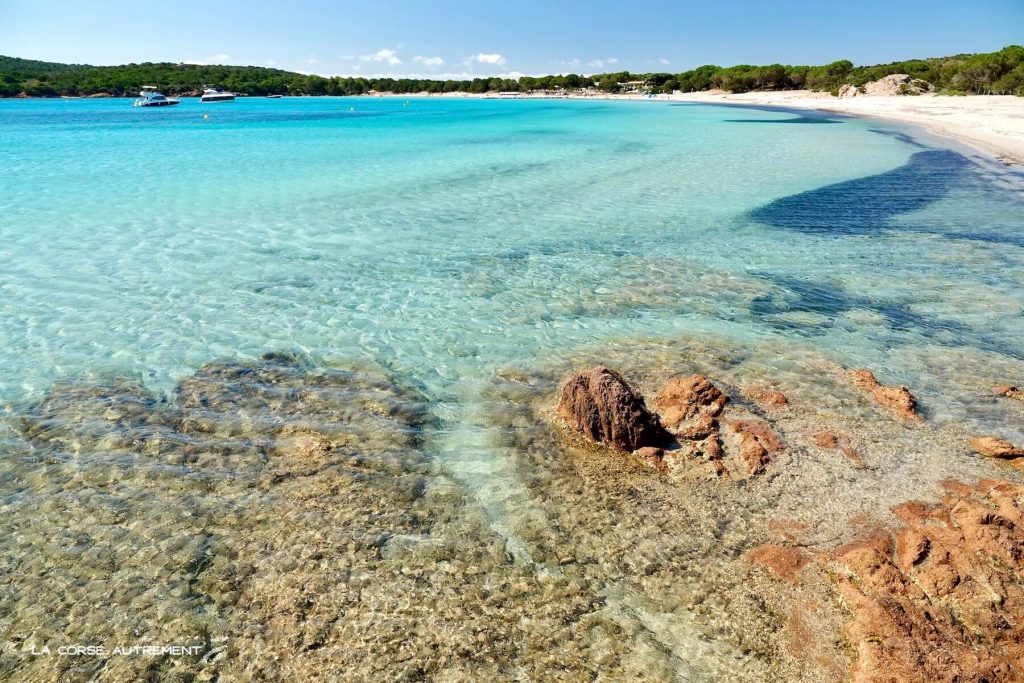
(766, 396)
(992, 447)
(683, 398)
(91, 415)
(785, 562)
(1011, 392)
(599, 404)
(758, 442)
(897, 399)
(835, 441)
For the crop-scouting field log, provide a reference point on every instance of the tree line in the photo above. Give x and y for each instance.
(999, 72)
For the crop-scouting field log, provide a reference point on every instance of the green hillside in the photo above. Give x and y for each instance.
(999, 72)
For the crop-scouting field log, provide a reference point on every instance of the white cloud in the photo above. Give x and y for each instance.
(488, 58)
(385, 56)
(601, 63)
(271, 62)
(312, 60)
(218, 58)
(428, 61)
(662, 60)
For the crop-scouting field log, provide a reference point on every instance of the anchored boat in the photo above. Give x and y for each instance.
(149, 97)
(216, 95)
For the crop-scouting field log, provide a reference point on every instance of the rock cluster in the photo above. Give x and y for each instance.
(942, 598)
(599, 404)
(897, 399)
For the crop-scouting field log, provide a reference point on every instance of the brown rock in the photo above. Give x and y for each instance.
(766, 396)
(599, 404)
(685, 397)
(757, 441)
(826, 439)
(854, 455)
(1011, 392)
(992, 447)
(942, 599)
(701, 428)
(785, 562)
(897, 399)
(834, 440)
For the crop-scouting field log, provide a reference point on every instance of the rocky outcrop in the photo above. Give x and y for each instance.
(991, 447)
(684, 398)
(887, 86)
(897, 399)
(942, 598)
(599, 404)
(896, 84)
(848, 90)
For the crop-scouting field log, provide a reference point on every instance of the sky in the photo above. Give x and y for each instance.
(449, 39)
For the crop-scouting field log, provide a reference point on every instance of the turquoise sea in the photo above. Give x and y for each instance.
(442, 241)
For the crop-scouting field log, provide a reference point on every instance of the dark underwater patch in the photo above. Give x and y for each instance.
(866, 205)
(829, 299)
(902, 137)
(795, 119)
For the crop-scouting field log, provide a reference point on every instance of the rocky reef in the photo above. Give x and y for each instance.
(298, 520)
(285, 517)
(922, 591)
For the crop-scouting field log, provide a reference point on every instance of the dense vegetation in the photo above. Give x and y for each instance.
(999, 72)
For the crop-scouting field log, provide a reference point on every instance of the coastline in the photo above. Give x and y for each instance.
(992, 124)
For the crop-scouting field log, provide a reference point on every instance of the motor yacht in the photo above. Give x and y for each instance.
(216, 95)
(149, 97)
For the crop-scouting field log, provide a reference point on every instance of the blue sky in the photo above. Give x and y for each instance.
(446, 38)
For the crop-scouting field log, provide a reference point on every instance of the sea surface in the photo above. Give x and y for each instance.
(442, 241)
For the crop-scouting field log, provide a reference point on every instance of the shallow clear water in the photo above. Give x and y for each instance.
(446, 240)
(443, 235)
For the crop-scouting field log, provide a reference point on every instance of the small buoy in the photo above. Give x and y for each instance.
(206, 117)
(351, 108)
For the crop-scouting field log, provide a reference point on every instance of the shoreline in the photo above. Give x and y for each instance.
(991, 124)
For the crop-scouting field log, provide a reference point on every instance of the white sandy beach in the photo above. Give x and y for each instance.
(990, 123)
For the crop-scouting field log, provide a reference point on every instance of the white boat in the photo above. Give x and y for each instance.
(273, 97)
(216, 95)
(149, 97)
